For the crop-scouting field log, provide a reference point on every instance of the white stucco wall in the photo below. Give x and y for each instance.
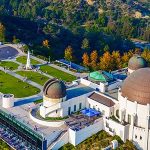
(8, 102)
(76, 137)
(114, 85)
(74, 101)
(107, 111)
(62, 141)
(134, 109)
(117, 128)
(47, 123)
(137, 134)
(100, 86)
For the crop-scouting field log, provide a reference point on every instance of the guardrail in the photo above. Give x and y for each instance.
(21, 125)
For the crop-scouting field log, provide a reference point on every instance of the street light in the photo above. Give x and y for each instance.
(49, 59)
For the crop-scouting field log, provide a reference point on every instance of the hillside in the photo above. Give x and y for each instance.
(102, 24)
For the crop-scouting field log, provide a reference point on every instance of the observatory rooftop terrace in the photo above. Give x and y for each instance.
(21, 114)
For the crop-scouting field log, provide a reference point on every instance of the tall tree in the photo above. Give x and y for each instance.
(2, 33)
(146, 54)
(85, 44)
(106, 62)
(69, 53)
(116, 60)
(93, 58)
(46, 43)
(85, 59)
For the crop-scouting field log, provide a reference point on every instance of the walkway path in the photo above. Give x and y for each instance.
(22, 78)
(52, 65)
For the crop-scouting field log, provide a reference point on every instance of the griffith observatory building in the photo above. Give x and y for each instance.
(98, 98)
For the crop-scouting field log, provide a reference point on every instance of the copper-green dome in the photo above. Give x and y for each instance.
(55, 89)
(137, 62)
(101, 76)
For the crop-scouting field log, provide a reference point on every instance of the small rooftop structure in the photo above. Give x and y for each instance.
(102, 99)
(90, 112)
(101, 76)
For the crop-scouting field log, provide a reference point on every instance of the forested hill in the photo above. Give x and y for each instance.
(84, 25)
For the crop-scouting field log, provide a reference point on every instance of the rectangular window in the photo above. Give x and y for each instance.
(129, 118)
(80, 106)
(69, 110)
(74, 107)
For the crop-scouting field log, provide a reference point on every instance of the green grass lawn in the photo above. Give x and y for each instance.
(9, 65)
(34, 76)
(38, 101)
(58, 73)
(23, 60)
(10, 84)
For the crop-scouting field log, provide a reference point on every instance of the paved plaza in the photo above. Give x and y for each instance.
(7, 52)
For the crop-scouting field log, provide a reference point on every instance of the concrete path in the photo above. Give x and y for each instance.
(52, 65)
(22, 78)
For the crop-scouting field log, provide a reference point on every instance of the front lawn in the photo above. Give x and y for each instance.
(34, 76)
(9, 65)
(23, 60)
(57, 73)
(10, 84)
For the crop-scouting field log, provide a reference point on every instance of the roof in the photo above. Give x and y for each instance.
(102, 76)
(137, 62)
(55, 89)
(101, 99)
(136, 87)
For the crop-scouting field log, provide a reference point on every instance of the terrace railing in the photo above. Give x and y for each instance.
(13, 120)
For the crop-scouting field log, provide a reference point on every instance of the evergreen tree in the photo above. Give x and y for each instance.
(85, 44)
(69, 53)
(2, 33)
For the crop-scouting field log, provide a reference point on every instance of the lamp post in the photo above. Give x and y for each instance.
(49, 59)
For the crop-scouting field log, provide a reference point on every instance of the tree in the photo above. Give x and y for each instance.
(125, 58)
(146, 55)
(2, 33)
(93, 58)
(25, 48)
(85, 44)
(69, 53)
(106, 48)
(116, 60)
(85, 59)
(46, 43)
(15, 41)
(106, 62)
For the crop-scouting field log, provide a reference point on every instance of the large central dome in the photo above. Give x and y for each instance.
(136, 87)
(55, 89)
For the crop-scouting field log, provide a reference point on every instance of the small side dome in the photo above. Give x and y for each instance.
(54, 89)
(137, 62)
